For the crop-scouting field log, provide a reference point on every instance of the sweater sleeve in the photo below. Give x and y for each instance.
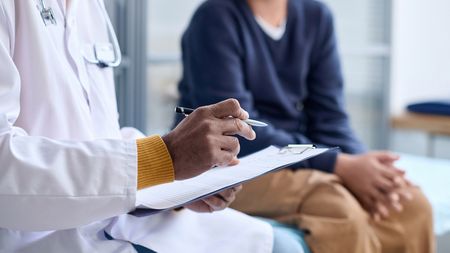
(328, 122)
(154, 162)
(213, 71)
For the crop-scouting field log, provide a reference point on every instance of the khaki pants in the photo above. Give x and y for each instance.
(318, 203)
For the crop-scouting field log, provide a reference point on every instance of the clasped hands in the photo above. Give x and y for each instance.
(205, 139)
(373, 178)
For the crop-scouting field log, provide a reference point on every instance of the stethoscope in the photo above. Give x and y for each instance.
(105, 54)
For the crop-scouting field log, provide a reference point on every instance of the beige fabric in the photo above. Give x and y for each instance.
(321, 205)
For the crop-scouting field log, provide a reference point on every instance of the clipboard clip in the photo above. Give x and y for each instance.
(296, 148)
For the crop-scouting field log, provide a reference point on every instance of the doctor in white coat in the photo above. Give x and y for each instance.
(69, 174)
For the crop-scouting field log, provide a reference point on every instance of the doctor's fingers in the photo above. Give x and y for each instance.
(225, 158)
(229, 194)
(230, 144)
(234, 126)
(224, 150)
(216, 202)
(200, 206)
(227, 108)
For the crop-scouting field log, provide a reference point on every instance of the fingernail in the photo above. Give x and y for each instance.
(398, 207)
(246, 115)
(398, 180)
(394, 197)
(409, 195)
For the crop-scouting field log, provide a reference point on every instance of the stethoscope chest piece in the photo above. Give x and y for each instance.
(104, 52)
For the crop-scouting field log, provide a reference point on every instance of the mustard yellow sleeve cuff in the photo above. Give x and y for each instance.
(154, 162)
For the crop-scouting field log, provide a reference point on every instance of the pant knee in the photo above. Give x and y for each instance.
(338, 208)
(335, 201)
(419, 208)
(420, 201)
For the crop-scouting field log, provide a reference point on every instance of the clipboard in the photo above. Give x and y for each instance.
(179, 193)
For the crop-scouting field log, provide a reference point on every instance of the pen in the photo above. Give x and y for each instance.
(251, 122)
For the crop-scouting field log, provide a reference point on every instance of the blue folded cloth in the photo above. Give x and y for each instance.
(287, 238)
(440, 107)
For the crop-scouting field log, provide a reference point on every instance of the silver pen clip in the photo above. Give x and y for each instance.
(296, 148)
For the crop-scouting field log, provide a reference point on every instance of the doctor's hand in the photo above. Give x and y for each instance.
(374, 180)
(205, 138)
(216, 202)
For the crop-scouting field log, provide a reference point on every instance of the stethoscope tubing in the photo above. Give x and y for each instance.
(115, 43)
(111, 34)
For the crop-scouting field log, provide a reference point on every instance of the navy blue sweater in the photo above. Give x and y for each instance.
(295, 84)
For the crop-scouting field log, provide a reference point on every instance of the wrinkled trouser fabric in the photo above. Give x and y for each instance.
(318, 203)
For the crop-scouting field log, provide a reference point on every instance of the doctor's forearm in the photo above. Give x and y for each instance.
(154, 162)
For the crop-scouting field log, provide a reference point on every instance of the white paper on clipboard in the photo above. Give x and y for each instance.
(178, 193)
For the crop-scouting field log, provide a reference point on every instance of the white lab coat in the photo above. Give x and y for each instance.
(67, 172)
